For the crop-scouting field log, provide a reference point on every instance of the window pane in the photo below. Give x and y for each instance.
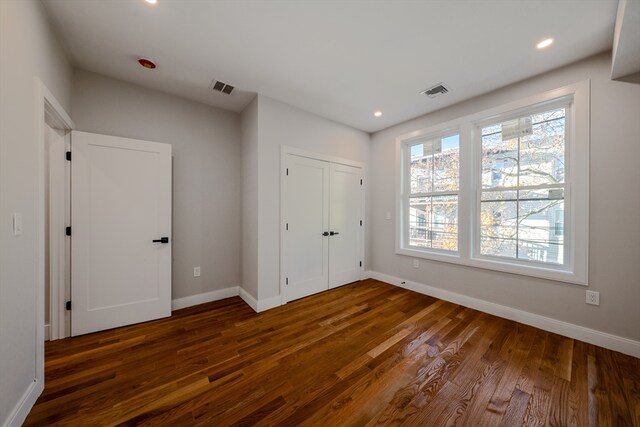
(444, 223)
(498, 224)
(558, 226)
(435, 165)
(419, 215)
(542, 151)
(499, 160)
(537, 238)
(525, 224)
(433, 222)
(421, 169)
(494, 196)
(488, 130)
(529, 150)
(421, 175)
(447, 165)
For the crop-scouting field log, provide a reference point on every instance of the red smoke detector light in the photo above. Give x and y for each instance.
(147, 63)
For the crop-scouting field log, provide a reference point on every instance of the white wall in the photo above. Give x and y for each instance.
(614, 251)
(206, 171)
(28, 49)
(249, 130)
(281, 124)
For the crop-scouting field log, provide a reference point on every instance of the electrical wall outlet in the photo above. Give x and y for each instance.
(196, 271)
(416, 263)
(593, 297)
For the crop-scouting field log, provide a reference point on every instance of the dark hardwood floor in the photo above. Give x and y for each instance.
(364, 354)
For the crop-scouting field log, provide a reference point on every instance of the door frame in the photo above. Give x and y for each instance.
(59, 244)
(288, 150)
(46, 105)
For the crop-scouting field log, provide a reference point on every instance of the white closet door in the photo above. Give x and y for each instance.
(120, 204)
(344, 223)
(306, 214)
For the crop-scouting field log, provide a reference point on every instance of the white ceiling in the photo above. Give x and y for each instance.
(339, 59)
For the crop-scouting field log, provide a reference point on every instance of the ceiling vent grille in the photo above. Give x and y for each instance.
(436, 90)
(219, 86)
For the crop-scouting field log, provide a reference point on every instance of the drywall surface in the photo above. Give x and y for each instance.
(614, 249)
(206, 171)
(249, 133)
(28, 49)
(281, 124)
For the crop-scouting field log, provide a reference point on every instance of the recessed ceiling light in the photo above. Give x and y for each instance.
(544, 43)
(151, 1)
(377, 113)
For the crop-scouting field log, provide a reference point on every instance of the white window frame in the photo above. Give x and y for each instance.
(576, 202)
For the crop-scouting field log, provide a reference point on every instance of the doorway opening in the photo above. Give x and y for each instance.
(49, 114)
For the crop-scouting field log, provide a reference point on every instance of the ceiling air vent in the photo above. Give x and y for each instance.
(219, 86)
(436, 90)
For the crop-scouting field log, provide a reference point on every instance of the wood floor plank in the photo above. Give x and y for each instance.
(363, 354)
(499, 401)
(578, 388)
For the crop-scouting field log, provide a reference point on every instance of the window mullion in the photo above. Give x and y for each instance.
(466, 205)
(435, 193)
(407, 183)
(518, 199)
(524, 187)
(433, 185)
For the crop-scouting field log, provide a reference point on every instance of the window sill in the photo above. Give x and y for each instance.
(539, 272)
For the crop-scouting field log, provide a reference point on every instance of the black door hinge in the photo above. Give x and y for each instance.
(360, 263)
(68, 155)
(67, 305)
(67, 231)
(287, 226)
(286, 281)
(360, 182)
(287, 171)
(360, 223)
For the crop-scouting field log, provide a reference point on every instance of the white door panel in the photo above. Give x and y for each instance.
(344, 219)
(305, 249)
(121, 201)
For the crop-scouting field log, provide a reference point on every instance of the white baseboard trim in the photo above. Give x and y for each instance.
(202, 298)
(581, 333)
(260, 305)
(21, 410)
(249, 299)
(47, 332)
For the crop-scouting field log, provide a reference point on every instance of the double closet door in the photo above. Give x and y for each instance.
(322, 226)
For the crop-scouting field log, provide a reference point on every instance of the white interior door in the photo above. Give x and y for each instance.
(306, 206)
(120, 204)
(345, 216)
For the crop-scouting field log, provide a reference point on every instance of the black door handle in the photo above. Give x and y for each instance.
(161, 240)
(333, 233)
(326, 233)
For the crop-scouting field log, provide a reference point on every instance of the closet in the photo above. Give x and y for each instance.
(322, 219)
